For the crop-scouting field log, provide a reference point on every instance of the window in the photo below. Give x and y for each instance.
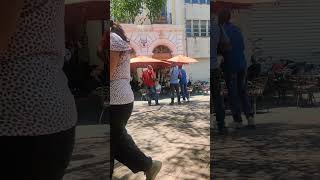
(187, 1)
(203, 25)
(196, 31)
(195, 1)
(198, 28)
(203, 1)
(188, 28)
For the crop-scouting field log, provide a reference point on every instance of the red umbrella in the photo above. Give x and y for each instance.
(143, 61)
(180, 59)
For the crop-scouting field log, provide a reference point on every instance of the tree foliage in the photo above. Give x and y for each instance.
(127, 10)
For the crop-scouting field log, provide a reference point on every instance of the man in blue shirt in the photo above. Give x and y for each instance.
(216, 100)
(235, 69)
(174, 83)
(183, 83)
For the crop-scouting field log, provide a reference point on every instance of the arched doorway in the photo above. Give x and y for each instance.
(162, 52)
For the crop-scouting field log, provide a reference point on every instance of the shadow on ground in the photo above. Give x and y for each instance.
(272, 151)
(90, 159)
(177, 135)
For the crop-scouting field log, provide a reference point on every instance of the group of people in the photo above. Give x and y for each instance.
(227, 41)
(178, 84)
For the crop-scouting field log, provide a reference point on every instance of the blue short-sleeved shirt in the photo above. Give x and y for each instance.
(183, 79)
(234, 59)
(174, 75)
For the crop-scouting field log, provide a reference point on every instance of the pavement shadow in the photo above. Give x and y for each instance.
(90, 159)
(171, 127)
(272, 151)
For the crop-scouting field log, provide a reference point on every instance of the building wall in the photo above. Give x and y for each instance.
(198, 47)
(289, 29)
(144, 39)
(200, 71)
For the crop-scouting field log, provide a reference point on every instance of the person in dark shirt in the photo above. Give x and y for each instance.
(235, 69)
(216, 99)
(183, 84)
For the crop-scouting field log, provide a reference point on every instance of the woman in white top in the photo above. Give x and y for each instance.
(123, 148)
(35, 100)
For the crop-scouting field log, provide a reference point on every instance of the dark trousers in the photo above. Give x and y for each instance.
(216, 99)
(152, 94)
(175, 88)
(123, 148)
(238, 95)
(36, 157)
(184, 91)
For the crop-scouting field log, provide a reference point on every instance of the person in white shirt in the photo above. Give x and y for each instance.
(123, 148)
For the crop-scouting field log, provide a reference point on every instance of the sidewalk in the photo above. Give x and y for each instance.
(177, 135)
(91, 156)
(285, 145)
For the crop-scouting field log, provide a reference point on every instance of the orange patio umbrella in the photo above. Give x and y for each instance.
(143, 61)
(180, 59)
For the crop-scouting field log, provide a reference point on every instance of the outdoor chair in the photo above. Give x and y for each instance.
(103, 93)
(306, 85)
(256, 88)
(144, 94)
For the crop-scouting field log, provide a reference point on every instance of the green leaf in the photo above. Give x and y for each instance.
(125, 11)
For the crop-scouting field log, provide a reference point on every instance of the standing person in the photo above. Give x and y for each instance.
(235, 69)
(35, 100)
(183, 83)
(174, 83)
(123, 148)
(148, 78)
(216, 104)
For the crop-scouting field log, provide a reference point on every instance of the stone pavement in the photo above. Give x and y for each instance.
(177, 135)
(91, 156)
(285, 145)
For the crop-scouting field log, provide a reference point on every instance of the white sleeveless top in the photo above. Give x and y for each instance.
(120, 88)
(34, 94)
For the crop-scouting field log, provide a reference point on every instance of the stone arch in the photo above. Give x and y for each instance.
(164, 42)
(162, 52)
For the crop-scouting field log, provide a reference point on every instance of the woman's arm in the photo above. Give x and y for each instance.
(114, 61)
(9, 14)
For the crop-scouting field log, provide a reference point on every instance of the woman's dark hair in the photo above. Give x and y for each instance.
(116, 28)
(224, 15)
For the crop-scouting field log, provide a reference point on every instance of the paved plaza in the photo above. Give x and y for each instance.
(177, 135)
(285, 145)
(91, 156)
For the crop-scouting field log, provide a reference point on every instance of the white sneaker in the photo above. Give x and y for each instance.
(152, 173)
(235, 125)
